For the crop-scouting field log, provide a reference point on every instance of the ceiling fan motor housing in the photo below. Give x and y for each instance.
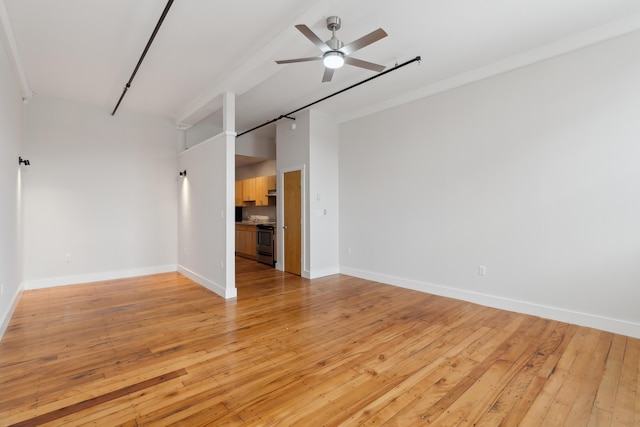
(334, 43)
(333, 23)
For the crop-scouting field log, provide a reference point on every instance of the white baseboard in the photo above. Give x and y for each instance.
(323, 272)
(12, 308)
(97, 277)
(212, 286)
(617, 326)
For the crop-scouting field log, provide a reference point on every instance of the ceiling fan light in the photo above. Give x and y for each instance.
(333, 59)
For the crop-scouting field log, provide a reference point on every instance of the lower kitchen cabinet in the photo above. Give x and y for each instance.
(246, 240)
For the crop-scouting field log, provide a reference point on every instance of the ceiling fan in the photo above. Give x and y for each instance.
(335, 53)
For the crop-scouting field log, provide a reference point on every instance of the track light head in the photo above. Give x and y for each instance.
(22, 161)
(183, 173)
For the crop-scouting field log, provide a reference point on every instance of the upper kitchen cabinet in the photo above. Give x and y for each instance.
(239, 195)
(262, 188)
(248, 189)
(256, 190)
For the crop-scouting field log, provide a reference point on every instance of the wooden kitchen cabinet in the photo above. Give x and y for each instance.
(261, 191)
(239, 195)
(249, 189)
(255, 190)
(246, 240)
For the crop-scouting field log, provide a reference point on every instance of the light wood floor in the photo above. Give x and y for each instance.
(161, 350)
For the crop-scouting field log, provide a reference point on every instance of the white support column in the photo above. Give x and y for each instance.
(229, 112)
(229, 130)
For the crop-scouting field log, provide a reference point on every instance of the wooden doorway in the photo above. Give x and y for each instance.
(292, 222)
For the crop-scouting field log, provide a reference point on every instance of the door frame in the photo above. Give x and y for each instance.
(303, 216)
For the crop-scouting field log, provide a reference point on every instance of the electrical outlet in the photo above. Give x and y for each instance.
(482, 270)
(349, 251)
(67, 258)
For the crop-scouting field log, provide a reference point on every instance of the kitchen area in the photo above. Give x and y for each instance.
(255, 201)
(255, 196)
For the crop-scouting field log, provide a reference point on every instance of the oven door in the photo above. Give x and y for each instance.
(264, 244)
(264, 239)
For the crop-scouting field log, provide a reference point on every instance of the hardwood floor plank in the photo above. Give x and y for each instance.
(487, 380)
(607, 391)
(541, 366)
(116, 412)
(625, 407)
(428, 384)
(290, 351)
(557, 373)
(523, 372)
(90, 403)
(488, 357)
(560, 413)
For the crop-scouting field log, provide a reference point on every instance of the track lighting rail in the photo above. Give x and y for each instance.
(144, 53)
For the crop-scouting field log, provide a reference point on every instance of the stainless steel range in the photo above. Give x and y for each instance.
(264, 243)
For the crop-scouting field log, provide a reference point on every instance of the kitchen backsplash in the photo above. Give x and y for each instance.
(269, 211)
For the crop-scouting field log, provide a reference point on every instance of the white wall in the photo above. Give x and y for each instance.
(101, 189)
(265, 168)
(313, 148)
(204, 129)
(323, 194)
(206, 215)
(11, 116)
(254, 144)
(534, 174)
(292, 153)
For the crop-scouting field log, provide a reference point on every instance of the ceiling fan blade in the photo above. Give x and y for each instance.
(364, 41)
(328, 74)
(363, 64)
(290, 61)
(312, 36)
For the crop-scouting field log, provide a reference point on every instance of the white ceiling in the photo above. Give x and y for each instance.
(85, 51)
